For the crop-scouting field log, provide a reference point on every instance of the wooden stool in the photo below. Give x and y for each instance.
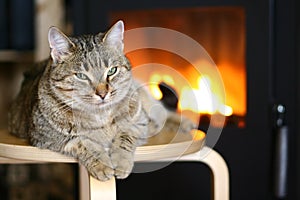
(160, 148)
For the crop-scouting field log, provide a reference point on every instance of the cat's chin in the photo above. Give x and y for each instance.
(102, 104)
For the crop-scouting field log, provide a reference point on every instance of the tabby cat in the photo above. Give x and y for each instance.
(83, 102)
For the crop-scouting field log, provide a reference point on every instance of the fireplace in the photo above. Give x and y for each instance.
(249, 45)
(221, 32)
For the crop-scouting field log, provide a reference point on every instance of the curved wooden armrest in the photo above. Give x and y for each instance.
(160, 146)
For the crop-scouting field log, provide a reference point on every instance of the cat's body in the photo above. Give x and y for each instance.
(83, 102)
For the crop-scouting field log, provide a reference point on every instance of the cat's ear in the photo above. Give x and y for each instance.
(115, 35)
(61, 46)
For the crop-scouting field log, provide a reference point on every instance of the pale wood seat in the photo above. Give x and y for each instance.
(160, 148)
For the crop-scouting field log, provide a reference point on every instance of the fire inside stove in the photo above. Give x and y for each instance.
(221, 32)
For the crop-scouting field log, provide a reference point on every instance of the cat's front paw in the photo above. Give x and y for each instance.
(123, 163)
(101, 170)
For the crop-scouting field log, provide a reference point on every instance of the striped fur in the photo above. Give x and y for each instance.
(83, 102)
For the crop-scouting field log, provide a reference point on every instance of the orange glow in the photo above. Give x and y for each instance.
(197, 135)
(234, 79)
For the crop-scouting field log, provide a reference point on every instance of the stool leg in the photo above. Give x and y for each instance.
(103, 190)
(92, 189)
(220, 174)
(218, 167)
(84, 183)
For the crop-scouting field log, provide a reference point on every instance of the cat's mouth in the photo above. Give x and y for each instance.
(102, 98)
(101, 101)
(95, 100)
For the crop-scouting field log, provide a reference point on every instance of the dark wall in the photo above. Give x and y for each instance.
(297, 42)
(286, 81)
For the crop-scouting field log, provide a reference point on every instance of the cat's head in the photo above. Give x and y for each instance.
(91, 71)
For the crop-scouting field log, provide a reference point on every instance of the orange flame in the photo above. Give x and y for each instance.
(200, 99)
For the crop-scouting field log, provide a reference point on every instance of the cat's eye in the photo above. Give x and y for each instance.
(112, 71)
(81, 76)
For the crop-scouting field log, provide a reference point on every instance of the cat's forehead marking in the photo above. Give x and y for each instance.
(95, 55)
(96, 60)
(105, 62)
(85, 43)
(86, 66)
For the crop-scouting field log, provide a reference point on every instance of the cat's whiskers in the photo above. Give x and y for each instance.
(61, 109)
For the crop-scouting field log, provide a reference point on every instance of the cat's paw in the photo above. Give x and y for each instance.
(101, 170)
(122, 162)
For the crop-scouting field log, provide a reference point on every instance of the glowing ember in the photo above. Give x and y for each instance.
(197, 135)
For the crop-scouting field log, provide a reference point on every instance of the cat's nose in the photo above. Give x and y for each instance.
(102, 91)
(102, 95)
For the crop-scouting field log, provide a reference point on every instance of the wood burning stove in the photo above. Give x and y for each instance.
(252, 43)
